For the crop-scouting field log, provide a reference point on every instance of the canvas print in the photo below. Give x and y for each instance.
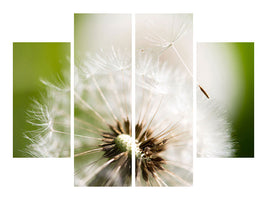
(164, 99)
(226, 70)
(41, 100)
(103, 103)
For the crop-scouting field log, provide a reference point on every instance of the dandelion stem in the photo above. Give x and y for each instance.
(187, 68)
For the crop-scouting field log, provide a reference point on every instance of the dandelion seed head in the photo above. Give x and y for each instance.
(108, 116)
(124, 142)
(102, 116)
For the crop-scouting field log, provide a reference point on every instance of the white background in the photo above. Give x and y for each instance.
(52, 21)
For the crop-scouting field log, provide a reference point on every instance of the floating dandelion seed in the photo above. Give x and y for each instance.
(172, 30)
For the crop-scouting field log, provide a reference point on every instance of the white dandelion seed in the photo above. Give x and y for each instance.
(50, 119)
(169, 36)
(164, 31)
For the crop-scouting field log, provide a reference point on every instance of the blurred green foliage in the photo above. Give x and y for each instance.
(243, 125)
(33, 62)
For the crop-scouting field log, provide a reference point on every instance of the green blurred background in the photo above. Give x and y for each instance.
(33, 62)
(226, 71)
(243, 125)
